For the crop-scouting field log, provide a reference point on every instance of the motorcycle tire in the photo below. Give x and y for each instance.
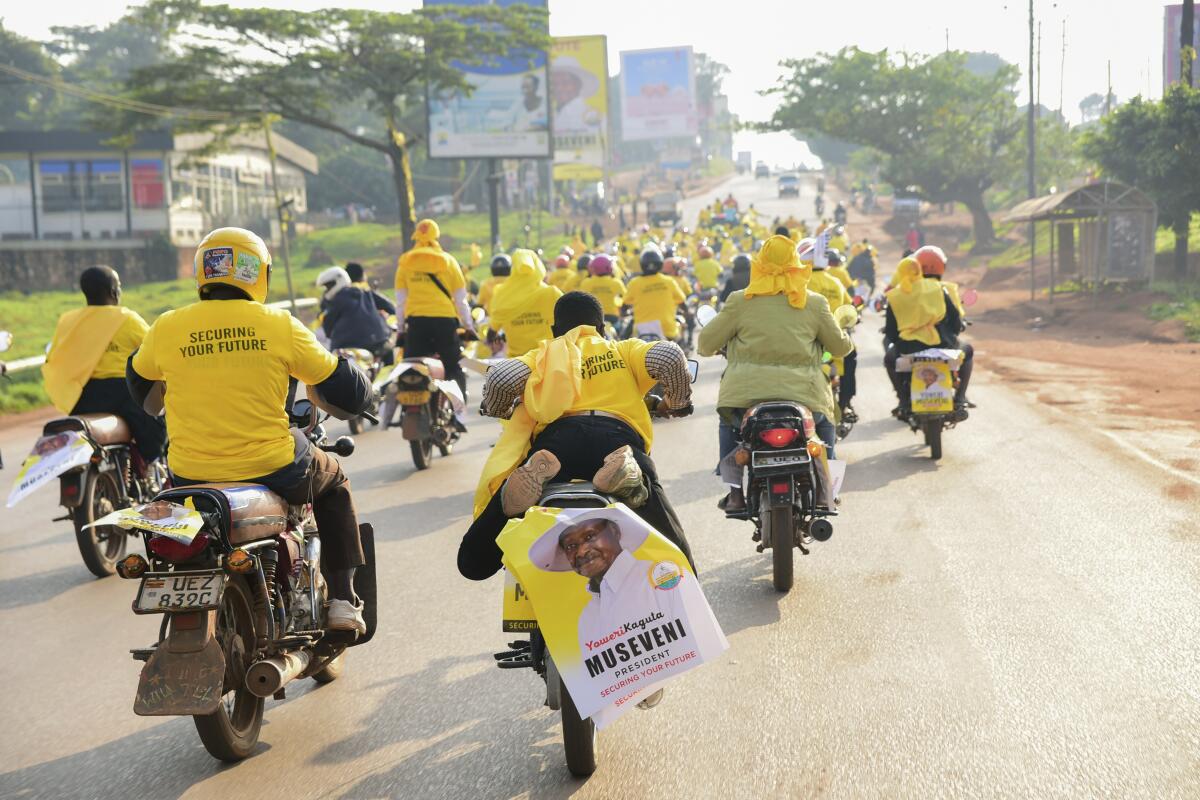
(783, 524)
(101, 547)
(933, 438)
(422, 452)
(231, 732)
(331, 671)
(579, 737)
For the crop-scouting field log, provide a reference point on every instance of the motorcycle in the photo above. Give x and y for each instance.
(428, 405)
(235, 573)
(371, 364)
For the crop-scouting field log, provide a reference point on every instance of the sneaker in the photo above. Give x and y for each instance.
(653, 699)
(345, 616)
(524, 487)
(621, 477)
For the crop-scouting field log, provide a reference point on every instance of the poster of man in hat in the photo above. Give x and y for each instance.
(619, 606)
(579, 94)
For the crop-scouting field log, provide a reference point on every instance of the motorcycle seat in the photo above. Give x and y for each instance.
(103, 429)
(434, 365)
(573, 494)
(249, 511)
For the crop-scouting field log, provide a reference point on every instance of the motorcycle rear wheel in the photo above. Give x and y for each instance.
(101, 548)
(231, 732)
(783, 525)
(933, 438)
(579, 737)
(422, 452)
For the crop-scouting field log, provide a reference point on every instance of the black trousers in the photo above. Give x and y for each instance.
(111, 396)
(849, 383)
(436, 336)
(580, 445)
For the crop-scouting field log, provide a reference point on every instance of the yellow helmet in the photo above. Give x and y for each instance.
(234, 257)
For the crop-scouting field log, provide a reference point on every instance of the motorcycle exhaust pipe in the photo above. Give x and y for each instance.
(268, 676)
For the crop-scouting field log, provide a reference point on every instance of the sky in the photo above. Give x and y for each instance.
(752, 36)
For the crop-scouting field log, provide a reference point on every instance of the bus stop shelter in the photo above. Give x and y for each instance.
(1101, 232)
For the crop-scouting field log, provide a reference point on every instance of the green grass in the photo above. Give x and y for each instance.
(1184, 304)
(1018, 252)
(1164, 239)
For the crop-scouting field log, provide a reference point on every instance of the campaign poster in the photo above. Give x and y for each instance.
(506, 115)
(52, 455)
(579, 94)
(618, 605)
(932, 387)
(658, 94)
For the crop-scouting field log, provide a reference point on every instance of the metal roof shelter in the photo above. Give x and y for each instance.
(1104, 231)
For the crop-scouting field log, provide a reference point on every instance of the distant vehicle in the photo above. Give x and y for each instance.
(665, 207)
(743, 161)
(443, 204)
(906, 203)
(789, 185)
(761, 170)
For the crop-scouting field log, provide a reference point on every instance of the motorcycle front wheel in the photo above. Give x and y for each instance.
(231, 732)
(782, 540)
(579, 737)
(422, 452)
(101, 547)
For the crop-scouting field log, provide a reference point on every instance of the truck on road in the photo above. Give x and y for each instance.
(743, 162)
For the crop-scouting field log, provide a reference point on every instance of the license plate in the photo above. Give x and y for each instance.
(786, 460)
(179, 591)
(412, 398)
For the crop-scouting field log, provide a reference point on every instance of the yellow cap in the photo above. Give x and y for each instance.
(427, 232)
(234, 257)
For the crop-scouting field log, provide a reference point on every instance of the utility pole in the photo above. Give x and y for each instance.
(1108, 92)
(947, 40)
(1030, 141)
(1187, 53)
(281, 211)
(1062, 70)
(1039, 70)
(493, 182)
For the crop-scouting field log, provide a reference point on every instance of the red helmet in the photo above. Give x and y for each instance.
(600, 265)
(705, 251)
(932, 260)
(562, 261)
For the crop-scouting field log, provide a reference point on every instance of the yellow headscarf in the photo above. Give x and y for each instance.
(80, 340)
(776, 269)
(527, 275)
(917, 303)
(552, 389)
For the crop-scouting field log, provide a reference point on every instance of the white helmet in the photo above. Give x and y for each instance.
(334, 280)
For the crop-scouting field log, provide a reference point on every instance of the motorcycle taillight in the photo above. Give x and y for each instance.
(779, 437)
(175, 551)
(810, 427)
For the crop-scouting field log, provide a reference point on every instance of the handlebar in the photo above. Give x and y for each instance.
(369, 417)
(344, 446)
(654, 404)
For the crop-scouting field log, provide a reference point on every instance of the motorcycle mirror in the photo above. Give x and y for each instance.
(344, 446)
(705, 314)
(693, 369)
(5, 340)
(970, 297)
(478, 314)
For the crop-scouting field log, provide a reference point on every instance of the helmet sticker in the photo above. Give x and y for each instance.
(247, 268)
(218, 262)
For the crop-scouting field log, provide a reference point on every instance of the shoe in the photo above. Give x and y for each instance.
(621, 477)
(735, 502)
(902, 413)
(345, 616)
(849, 414)
(653, 699)
(524, 487)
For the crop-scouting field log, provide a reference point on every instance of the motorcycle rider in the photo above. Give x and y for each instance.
(228, 361)
(563, 277)
(774, 333)
(350, 318)
(84, 371)
(839, 213)
(431, 303)
(604, 286)
(654, 297)
(707, 269)
(501, 268)
(920, 315)
(862, 263)
(523, 306)
(739, 276)
(933, 266)
(357, 278)
(848, 387)
(582, 416)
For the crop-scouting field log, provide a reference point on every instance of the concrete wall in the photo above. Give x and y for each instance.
(40, 265)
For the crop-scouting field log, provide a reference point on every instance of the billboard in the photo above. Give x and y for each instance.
(507, 115)
(1172, 27)
(658, 94)
(579, 92)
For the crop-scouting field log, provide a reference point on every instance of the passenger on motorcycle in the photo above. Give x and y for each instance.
(933, 266)
(523, 307)
(582, 415)
(228, 362)
(501, 268)
(774, 333)
(848, 386)
(350, 318)
(602, 285)
(357, 278)
(654, 297)
(862, 263)
(431, 303)
(562, 277)
(920, 315)
(707, 269)
(739, 276)
(84, 371)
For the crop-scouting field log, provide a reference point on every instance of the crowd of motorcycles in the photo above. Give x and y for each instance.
(242, 598)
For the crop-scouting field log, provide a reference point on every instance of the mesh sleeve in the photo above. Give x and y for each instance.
(503, 387)
(666, 363)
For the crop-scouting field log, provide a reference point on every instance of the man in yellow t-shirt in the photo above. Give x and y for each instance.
(227, 362)
(603, 436)
(605, 287)
(501, 269)
(654, 297)
(431, 303)
(707, 269)
(84, 371)
(562, 277)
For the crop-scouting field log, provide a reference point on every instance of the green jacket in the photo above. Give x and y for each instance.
(774, 350)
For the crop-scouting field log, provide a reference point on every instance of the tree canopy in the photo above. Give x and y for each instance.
(941, 127)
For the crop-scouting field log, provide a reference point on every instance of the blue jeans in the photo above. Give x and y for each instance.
(731, 420)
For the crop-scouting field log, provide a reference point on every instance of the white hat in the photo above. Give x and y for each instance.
(589, 83)
(547, 555)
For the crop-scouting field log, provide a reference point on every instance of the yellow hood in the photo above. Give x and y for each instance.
(527, 275)
(80, 340)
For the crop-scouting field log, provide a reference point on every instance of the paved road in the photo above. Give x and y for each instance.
(1018, 620)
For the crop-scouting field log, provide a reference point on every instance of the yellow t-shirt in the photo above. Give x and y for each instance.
(226, 364)
(843, 275)
(607, 289)
(563, 279)
(531, 321)
(487, 290)
(830, 287)
(127, 339)
(655, 297)
(614, 381)
(425, 299)
(708, 273)
(685, 285)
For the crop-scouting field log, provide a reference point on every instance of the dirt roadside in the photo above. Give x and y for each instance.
(1099, 359)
